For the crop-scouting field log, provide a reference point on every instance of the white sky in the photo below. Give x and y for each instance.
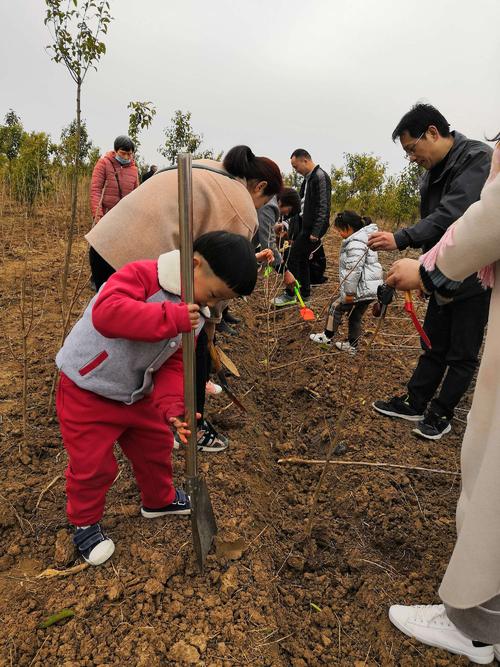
(330, 76)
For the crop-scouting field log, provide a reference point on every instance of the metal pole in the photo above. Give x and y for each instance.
(187, 295)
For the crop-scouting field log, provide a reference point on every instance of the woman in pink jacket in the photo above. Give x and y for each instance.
(114, 176)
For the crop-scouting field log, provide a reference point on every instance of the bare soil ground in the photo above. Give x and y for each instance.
(268, 596)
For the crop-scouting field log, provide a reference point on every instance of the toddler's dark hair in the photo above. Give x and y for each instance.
(351, 219)
(231, 257)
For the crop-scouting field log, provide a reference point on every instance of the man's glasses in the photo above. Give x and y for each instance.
(410, 150)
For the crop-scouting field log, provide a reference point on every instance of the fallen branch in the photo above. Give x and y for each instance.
(44, 491)
(50, 572)
(296, 460)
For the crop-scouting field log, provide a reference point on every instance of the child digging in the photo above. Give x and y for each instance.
(122, 380)
(360, 273)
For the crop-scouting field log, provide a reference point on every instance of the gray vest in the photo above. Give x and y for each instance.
(115, 368)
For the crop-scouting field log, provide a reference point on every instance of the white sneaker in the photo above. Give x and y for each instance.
(320, 338)
(430, 625)
(496, 651)
(345, 346)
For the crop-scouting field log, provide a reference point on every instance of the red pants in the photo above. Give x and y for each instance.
(90, 425)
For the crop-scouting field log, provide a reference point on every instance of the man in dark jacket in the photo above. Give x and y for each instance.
(456, 170)
(316, 195)
(150, 172)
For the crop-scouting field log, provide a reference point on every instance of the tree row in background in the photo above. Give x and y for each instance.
(363, 185)
(30, 162)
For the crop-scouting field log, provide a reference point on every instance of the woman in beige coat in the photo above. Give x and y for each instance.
(469, 621)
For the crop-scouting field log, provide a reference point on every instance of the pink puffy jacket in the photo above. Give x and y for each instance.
(111, 181)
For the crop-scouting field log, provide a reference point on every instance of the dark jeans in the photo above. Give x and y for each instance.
(298, 262)
(456, 333)
(354, 312)
(101, 271)
(317, 266)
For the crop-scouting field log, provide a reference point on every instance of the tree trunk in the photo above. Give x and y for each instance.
(74, 199)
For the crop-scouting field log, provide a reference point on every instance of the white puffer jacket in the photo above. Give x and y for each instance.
(360, 272)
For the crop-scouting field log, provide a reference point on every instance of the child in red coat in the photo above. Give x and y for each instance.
(121, 379)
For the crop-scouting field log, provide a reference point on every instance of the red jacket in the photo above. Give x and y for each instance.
(111, 181)
(127, 344)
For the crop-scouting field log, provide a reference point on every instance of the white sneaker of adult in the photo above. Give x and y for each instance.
(496, 651)
(430, 625)
(320, 338)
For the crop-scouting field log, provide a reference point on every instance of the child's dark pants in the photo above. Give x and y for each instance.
(354, 312)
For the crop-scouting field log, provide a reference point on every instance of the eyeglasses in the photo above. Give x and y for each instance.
(410, 150)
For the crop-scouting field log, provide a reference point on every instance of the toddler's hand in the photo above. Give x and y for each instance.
(181, 427)
(194, 314)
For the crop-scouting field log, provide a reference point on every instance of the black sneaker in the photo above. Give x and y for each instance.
(224, 328)
(230, 318)
(93, 544)
(180, 505)
(398, 406)
(209, 440)
(432, 426)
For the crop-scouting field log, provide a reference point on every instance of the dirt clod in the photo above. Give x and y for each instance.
(184, 654)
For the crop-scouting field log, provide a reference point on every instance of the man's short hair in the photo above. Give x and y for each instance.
(301, 153)
(418, 119)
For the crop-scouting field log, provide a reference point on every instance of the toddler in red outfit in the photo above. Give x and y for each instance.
(122, 381)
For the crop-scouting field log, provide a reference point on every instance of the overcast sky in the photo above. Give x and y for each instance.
(331, 76)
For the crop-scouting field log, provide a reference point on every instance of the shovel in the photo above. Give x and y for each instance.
(221, 376)
(203, 524)
(305, 312)
(228, 363)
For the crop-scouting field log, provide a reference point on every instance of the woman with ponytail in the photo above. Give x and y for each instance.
(145, 224)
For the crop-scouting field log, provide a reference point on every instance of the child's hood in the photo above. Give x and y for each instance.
(362, 234)
(169, 274)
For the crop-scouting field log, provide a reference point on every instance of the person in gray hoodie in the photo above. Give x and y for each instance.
(360, 273)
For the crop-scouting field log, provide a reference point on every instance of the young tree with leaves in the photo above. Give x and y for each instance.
(76, 27)
(140, 118)
(11, 134)
(67, 148)
(181, 138)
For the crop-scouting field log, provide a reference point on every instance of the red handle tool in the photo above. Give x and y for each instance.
(411, 311)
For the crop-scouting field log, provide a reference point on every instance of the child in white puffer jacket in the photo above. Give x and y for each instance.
(360, 273)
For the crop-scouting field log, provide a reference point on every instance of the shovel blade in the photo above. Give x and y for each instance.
(203, 524)
(307, 314)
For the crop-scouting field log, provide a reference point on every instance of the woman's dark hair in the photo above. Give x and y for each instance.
(124, 143)
(290, 197)
(231, 257)
(351, 219)
(417, 120)
(497, 138)
(240, 161)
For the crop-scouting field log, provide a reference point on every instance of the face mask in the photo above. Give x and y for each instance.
(122, 160)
